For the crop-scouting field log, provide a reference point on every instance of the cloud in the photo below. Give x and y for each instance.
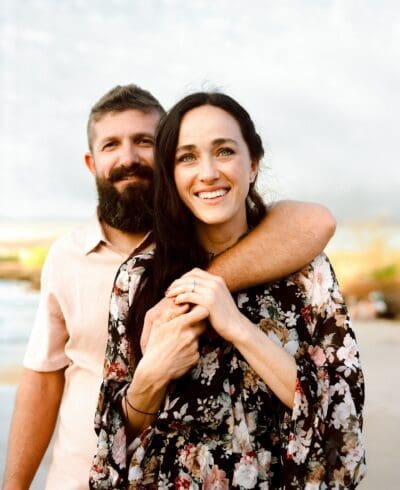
(320, 80)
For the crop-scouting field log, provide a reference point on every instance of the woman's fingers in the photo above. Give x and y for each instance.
(165, 310)
(189, 281)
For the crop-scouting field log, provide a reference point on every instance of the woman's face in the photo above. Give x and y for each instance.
(213, 169)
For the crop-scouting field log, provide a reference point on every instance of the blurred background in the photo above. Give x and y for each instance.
(320, 79)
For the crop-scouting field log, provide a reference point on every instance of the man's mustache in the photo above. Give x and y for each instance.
(134, 170)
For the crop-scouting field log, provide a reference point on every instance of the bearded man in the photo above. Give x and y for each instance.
(64, 360)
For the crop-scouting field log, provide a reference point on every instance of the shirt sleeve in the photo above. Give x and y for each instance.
(323, 430)
(46, 346)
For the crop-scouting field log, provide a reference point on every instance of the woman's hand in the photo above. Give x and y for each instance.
(163, 311)
(202, 288)
(172, 346)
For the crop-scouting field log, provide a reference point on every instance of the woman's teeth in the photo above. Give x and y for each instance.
(213, 194)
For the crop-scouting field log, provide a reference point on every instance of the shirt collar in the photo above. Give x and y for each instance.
(94, 236)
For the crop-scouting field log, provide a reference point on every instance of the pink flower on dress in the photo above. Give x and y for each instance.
(182, 481)
(119, 448)
(117, 371)
(317, 355)
(216, 480)
(306, 313)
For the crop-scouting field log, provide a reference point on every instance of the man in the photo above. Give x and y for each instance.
(64, 360)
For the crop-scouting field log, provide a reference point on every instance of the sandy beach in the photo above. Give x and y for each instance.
(380, 350)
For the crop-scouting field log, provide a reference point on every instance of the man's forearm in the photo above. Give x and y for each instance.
(35, 415)
(289, 237)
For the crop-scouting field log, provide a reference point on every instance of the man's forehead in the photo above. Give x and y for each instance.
(131, 120)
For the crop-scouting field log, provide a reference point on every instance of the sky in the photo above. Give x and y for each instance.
(319, 78)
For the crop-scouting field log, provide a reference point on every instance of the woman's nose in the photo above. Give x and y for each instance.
(208, 170)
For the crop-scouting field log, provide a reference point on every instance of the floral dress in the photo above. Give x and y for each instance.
(221, 426)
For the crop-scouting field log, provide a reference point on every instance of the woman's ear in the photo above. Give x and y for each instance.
(254, 170)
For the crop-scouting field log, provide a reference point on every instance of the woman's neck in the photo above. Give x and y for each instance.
(215, 239)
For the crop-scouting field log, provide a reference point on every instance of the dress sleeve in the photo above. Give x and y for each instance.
(322, 434)
(110, 460)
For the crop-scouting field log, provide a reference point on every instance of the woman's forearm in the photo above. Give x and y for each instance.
(142, 401)
(271, 362)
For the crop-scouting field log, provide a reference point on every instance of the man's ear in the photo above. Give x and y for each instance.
(90, 163)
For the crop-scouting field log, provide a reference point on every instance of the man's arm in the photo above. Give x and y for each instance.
(289, 237)
(35, 415)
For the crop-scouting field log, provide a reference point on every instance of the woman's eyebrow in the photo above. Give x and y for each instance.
(223, 141)
(186, 148)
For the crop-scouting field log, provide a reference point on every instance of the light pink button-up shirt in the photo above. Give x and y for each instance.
(70, 331)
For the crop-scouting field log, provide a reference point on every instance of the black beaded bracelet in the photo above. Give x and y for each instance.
(127, 402)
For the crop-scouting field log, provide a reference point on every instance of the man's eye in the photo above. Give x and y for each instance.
(224, 152)
(146, 142)
(109, 145)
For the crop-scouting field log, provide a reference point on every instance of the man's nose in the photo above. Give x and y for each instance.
(129, 154)
(208, 170)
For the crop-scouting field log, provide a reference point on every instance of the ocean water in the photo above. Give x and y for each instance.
(18, 304)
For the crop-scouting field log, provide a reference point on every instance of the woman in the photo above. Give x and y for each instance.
(269, 392)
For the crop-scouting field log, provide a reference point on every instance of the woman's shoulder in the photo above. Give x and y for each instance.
(315, 282)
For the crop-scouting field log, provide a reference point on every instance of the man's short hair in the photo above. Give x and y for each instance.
(122, 98)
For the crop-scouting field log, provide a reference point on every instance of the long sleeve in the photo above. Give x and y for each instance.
(322, 433)
(110, 461)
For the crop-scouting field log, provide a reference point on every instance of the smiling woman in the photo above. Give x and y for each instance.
(260, 390)
(213, 173)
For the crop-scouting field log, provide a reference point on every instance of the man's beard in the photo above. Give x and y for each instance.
(130, 210)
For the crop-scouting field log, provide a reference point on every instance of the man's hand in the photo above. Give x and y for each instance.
(35, 415)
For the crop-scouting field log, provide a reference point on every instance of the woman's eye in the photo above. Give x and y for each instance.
(224, 152)
(188, 157)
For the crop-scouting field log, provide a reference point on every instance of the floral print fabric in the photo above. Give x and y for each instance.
(221, 426)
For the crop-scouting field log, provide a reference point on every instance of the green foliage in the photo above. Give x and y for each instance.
(33, 257)
(9, 257)
(385, 273)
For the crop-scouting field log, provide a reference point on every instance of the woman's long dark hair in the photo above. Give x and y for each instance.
(177, 247)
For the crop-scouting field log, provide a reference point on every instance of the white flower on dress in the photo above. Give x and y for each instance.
(241, 438)
(135, 474)
(348, 352)
(135, 278)
(264, 459)
(341, 414)
(121, 328)
(241, 299)
(102, 446)
(291, 318)
(246, 473)
(299, 445)
(122, 280)
(114, 308)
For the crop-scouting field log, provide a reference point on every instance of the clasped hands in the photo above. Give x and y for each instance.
(171, 331)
